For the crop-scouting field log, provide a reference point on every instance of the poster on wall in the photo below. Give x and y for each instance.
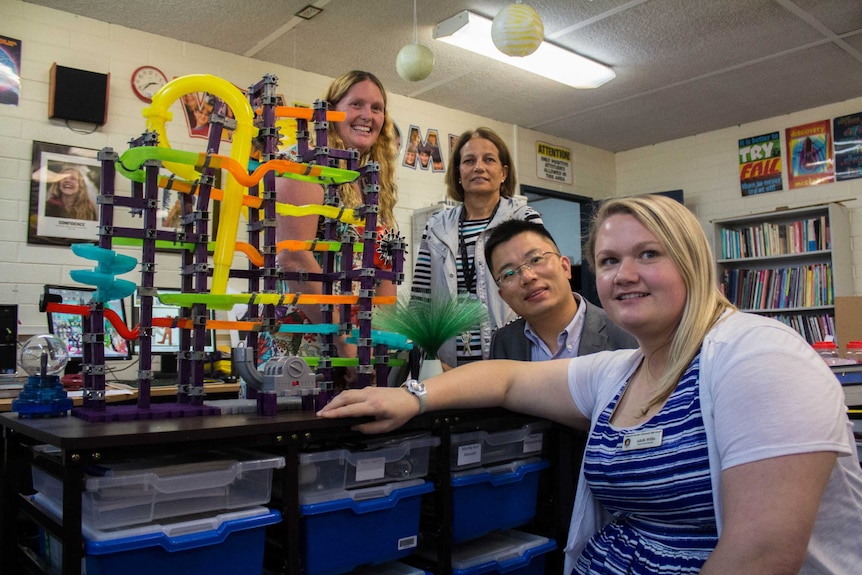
(64, 182)
(453, 143)
(64, 185)
(197, 109)
(173, 207)
(848, 146)
(760, 164)
(10, 70)
(553, 163)
(809, 153)
(423, 153)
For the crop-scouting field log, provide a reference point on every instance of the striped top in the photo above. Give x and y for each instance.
(469, 344)
(661, 496)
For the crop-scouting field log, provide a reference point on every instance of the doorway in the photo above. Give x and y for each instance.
(567, 216)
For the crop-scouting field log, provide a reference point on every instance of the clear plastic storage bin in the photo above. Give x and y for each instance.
(508, 551)
(142, 491)
(324, 474)
(481, 448)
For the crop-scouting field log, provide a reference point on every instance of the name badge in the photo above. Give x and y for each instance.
(642, 440)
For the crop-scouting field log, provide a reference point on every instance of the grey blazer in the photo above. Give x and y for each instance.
(599, 334)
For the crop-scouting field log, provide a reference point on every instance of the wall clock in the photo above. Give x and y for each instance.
(146, 81)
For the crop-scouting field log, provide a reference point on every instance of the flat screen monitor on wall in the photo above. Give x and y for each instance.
(70, 329)
(166, 340)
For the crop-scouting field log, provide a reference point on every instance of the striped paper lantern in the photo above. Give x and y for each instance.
(517, 30)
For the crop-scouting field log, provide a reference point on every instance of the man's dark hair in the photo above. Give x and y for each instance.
(508, 230)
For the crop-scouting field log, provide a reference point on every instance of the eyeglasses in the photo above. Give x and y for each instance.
(536, 263)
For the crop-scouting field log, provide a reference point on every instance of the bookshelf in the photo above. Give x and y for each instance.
(788, 264)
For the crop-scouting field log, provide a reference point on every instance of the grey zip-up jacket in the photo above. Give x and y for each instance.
(440, 242)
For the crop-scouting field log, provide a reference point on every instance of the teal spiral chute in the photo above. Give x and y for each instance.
(109, 265)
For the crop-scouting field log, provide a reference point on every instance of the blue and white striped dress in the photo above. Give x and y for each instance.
(660, 497)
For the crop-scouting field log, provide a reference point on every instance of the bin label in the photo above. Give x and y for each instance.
(533, 443)
(469, 454)
(370, 469)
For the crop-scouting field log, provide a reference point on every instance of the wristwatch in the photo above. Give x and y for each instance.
(417, 389)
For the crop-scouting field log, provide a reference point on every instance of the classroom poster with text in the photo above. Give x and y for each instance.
(760, 164)
(809, 152)
(848, 146)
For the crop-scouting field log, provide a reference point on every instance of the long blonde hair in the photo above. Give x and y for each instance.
(383, 151)
(682, 235)
(83, 208)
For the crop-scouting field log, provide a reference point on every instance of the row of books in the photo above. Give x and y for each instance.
(775, 239)
(813, 327)
(779, 288)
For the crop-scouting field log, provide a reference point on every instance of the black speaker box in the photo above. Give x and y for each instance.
(8, 338)
(78, 95)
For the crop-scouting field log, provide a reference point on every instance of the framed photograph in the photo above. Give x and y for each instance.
(169, 210)
(169, 214)
(64, 183)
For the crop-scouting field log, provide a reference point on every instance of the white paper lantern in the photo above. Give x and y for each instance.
(414, 62)
(517, 30)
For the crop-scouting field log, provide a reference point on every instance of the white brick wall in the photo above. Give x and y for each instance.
(50, 36)
(705, 166)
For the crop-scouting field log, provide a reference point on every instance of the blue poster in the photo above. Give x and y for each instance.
(847, 132)
(10, 70)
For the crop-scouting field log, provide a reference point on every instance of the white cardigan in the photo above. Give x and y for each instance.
(764, 393)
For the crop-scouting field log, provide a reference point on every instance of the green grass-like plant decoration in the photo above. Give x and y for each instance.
(430, 322)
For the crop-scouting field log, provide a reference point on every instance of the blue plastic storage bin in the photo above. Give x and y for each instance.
(363, 526)
(213, 545)
(498, 497)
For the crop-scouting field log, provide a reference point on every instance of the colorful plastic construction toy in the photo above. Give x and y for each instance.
(250, 190)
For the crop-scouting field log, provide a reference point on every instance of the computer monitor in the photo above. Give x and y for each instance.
(69, 328)
(166, 341)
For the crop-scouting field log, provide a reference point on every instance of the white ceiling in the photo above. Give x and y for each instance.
(683, 67)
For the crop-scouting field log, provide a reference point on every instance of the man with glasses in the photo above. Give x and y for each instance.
(555, 322)
(533, 279)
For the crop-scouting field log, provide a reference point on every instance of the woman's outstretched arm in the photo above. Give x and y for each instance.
(533, 388)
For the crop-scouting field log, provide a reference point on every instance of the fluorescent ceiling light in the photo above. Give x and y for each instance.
(473, 32)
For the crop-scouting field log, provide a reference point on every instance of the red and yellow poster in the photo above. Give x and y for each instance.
(760, 164)
(809, 149)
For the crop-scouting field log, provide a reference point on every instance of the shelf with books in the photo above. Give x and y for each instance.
(788, 264)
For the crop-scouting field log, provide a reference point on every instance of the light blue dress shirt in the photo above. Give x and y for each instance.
(568, 340)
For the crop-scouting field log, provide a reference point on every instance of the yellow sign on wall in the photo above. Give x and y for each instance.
(554, 163)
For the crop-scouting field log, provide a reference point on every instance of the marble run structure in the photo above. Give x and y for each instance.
(249, 189)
